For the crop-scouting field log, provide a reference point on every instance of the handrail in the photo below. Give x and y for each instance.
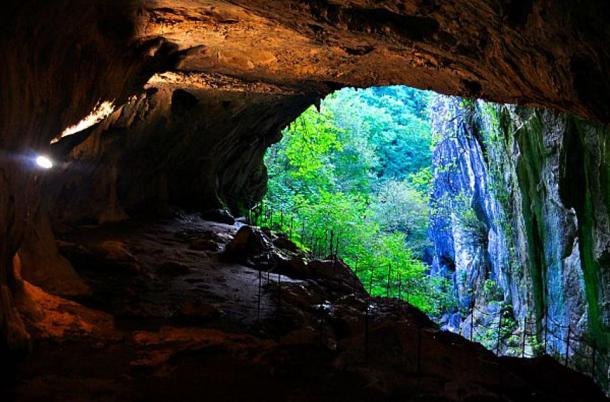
(539, 329)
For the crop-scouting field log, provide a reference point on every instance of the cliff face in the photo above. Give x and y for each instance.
(520, 223)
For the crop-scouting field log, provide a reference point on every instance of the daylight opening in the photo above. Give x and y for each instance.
(422, 196)
(359, 171)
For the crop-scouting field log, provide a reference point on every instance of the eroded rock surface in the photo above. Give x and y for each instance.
(196, 138)
(536, 52)
(202, 332)
(520, 218)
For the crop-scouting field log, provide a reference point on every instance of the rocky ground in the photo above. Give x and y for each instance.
(187, 309)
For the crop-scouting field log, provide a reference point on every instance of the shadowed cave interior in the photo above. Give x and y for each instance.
(152, 248)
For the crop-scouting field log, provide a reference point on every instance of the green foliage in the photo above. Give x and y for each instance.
(492, 290)
(358, 171)
(402, 207)
(500, 328)
(389, 127)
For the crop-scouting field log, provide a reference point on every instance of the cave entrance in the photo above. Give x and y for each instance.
(353, 178)
(408, 188)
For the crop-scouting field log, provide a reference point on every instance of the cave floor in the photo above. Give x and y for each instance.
(173, 314)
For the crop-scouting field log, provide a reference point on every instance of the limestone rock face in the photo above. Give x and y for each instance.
(520, 219)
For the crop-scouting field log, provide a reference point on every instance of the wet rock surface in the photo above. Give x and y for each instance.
(189, 324)
(516, 212)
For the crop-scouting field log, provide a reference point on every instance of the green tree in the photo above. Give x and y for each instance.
(359, 168)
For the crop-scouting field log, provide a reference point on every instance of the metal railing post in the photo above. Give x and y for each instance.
(472, 308)
(366, 331)
(387, 290)
(523, 339)
(258, 308)
(418, 349)
(399, 285)
(499, 333)
(567, 358)
(593, 353)
(546, 328)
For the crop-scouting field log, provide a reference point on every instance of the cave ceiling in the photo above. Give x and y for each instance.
(539, 53)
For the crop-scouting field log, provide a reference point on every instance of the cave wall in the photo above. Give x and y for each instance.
(200, 149)
(520, 217)
(59, 59)
(62, 58)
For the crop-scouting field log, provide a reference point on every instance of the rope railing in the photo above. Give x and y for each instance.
(575, 347)
(545, 338)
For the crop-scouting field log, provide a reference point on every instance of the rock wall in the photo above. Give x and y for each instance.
(520, 222)
(59, 60)
(200, 149)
